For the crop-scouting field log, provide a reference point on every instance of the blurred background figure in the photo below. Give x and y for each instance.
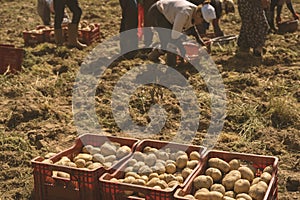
(254, 28)
(59, 8)
(221, 6)
(279, 4)
(129, 21)
(45, 9)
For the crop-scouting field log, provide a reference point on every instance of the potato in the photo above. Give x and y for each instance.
(160, 168)
(138, 165)
(234, 164)
(84, 156)
(123, 151)
(145, 170)
(215, 195)
(255, 180)
(71, 164)
(244, 196)
(152, 182)
(219, 164)
(173, 183)
(180, 153)
(139, 156)
(162, 155)
(181, 161)
(162, 184)
(131, 162)
(108, 149)
(202, 194)
(179, 179)
(87, 148)
(128, 192)
(169, 177)
(230, 178)
(133, 174)
(139, 182)
(202, 181)
(192, 164)
(246, 173)
(98, 158)
(49, 155)
(194, 155)
(150, 159)
(230, 194)
(95, 150)
(47, 161)
(63, 174)
(257, 191)
(218, 187)
(189, 196)
(215, 173)
(268, 169)
(186, 172)
(110, 158)
(266, 177)
(147, 149)
(80, 163)
(228, 198)
(94, 166)
(152, 175)
(241, 186)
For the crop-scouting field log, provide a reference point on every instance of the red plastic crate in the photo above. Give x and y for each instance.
(33, 38)
(88, 37)
(83, 184)
(10, 57)
(115, 191)
(258, 161)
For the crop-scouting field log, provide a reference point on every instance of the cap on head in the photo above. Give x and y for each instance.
(208, 12)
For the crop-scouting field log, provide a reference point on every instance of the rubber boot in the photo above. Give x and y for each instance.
(73, 37)
(58, 36)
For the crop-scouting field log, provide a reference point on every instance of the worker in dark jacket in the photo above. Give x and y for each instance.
(59, 7)
(129, 21)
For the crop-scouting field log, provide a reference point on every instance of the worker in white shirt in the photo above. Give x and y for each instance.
(177, 15)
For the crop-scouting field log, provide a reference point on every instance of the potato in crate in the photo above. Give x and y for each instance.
(228, 176)
(154, 171)
(74, 174)
(89, 33)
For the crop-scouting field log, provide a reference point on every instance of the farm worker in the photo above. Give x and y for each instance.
(45, 9)
(220, 5)
(254, 28)
(279, 4)
(176, 15)
(129, 21)
(59, 7)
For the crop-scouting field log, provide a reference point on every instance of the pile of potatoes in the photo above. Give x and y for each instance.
(92, 157)
(229, 181)
(158, 168)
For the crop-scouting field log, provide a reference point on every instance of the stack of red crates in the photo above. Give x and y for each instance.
(11, 58)
(258, 161)
(83, 184)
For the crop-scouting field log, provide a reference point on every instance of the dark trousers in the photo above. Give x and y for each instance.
(148, 34)
(129, 25)
(59, 7)
(157, 19)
